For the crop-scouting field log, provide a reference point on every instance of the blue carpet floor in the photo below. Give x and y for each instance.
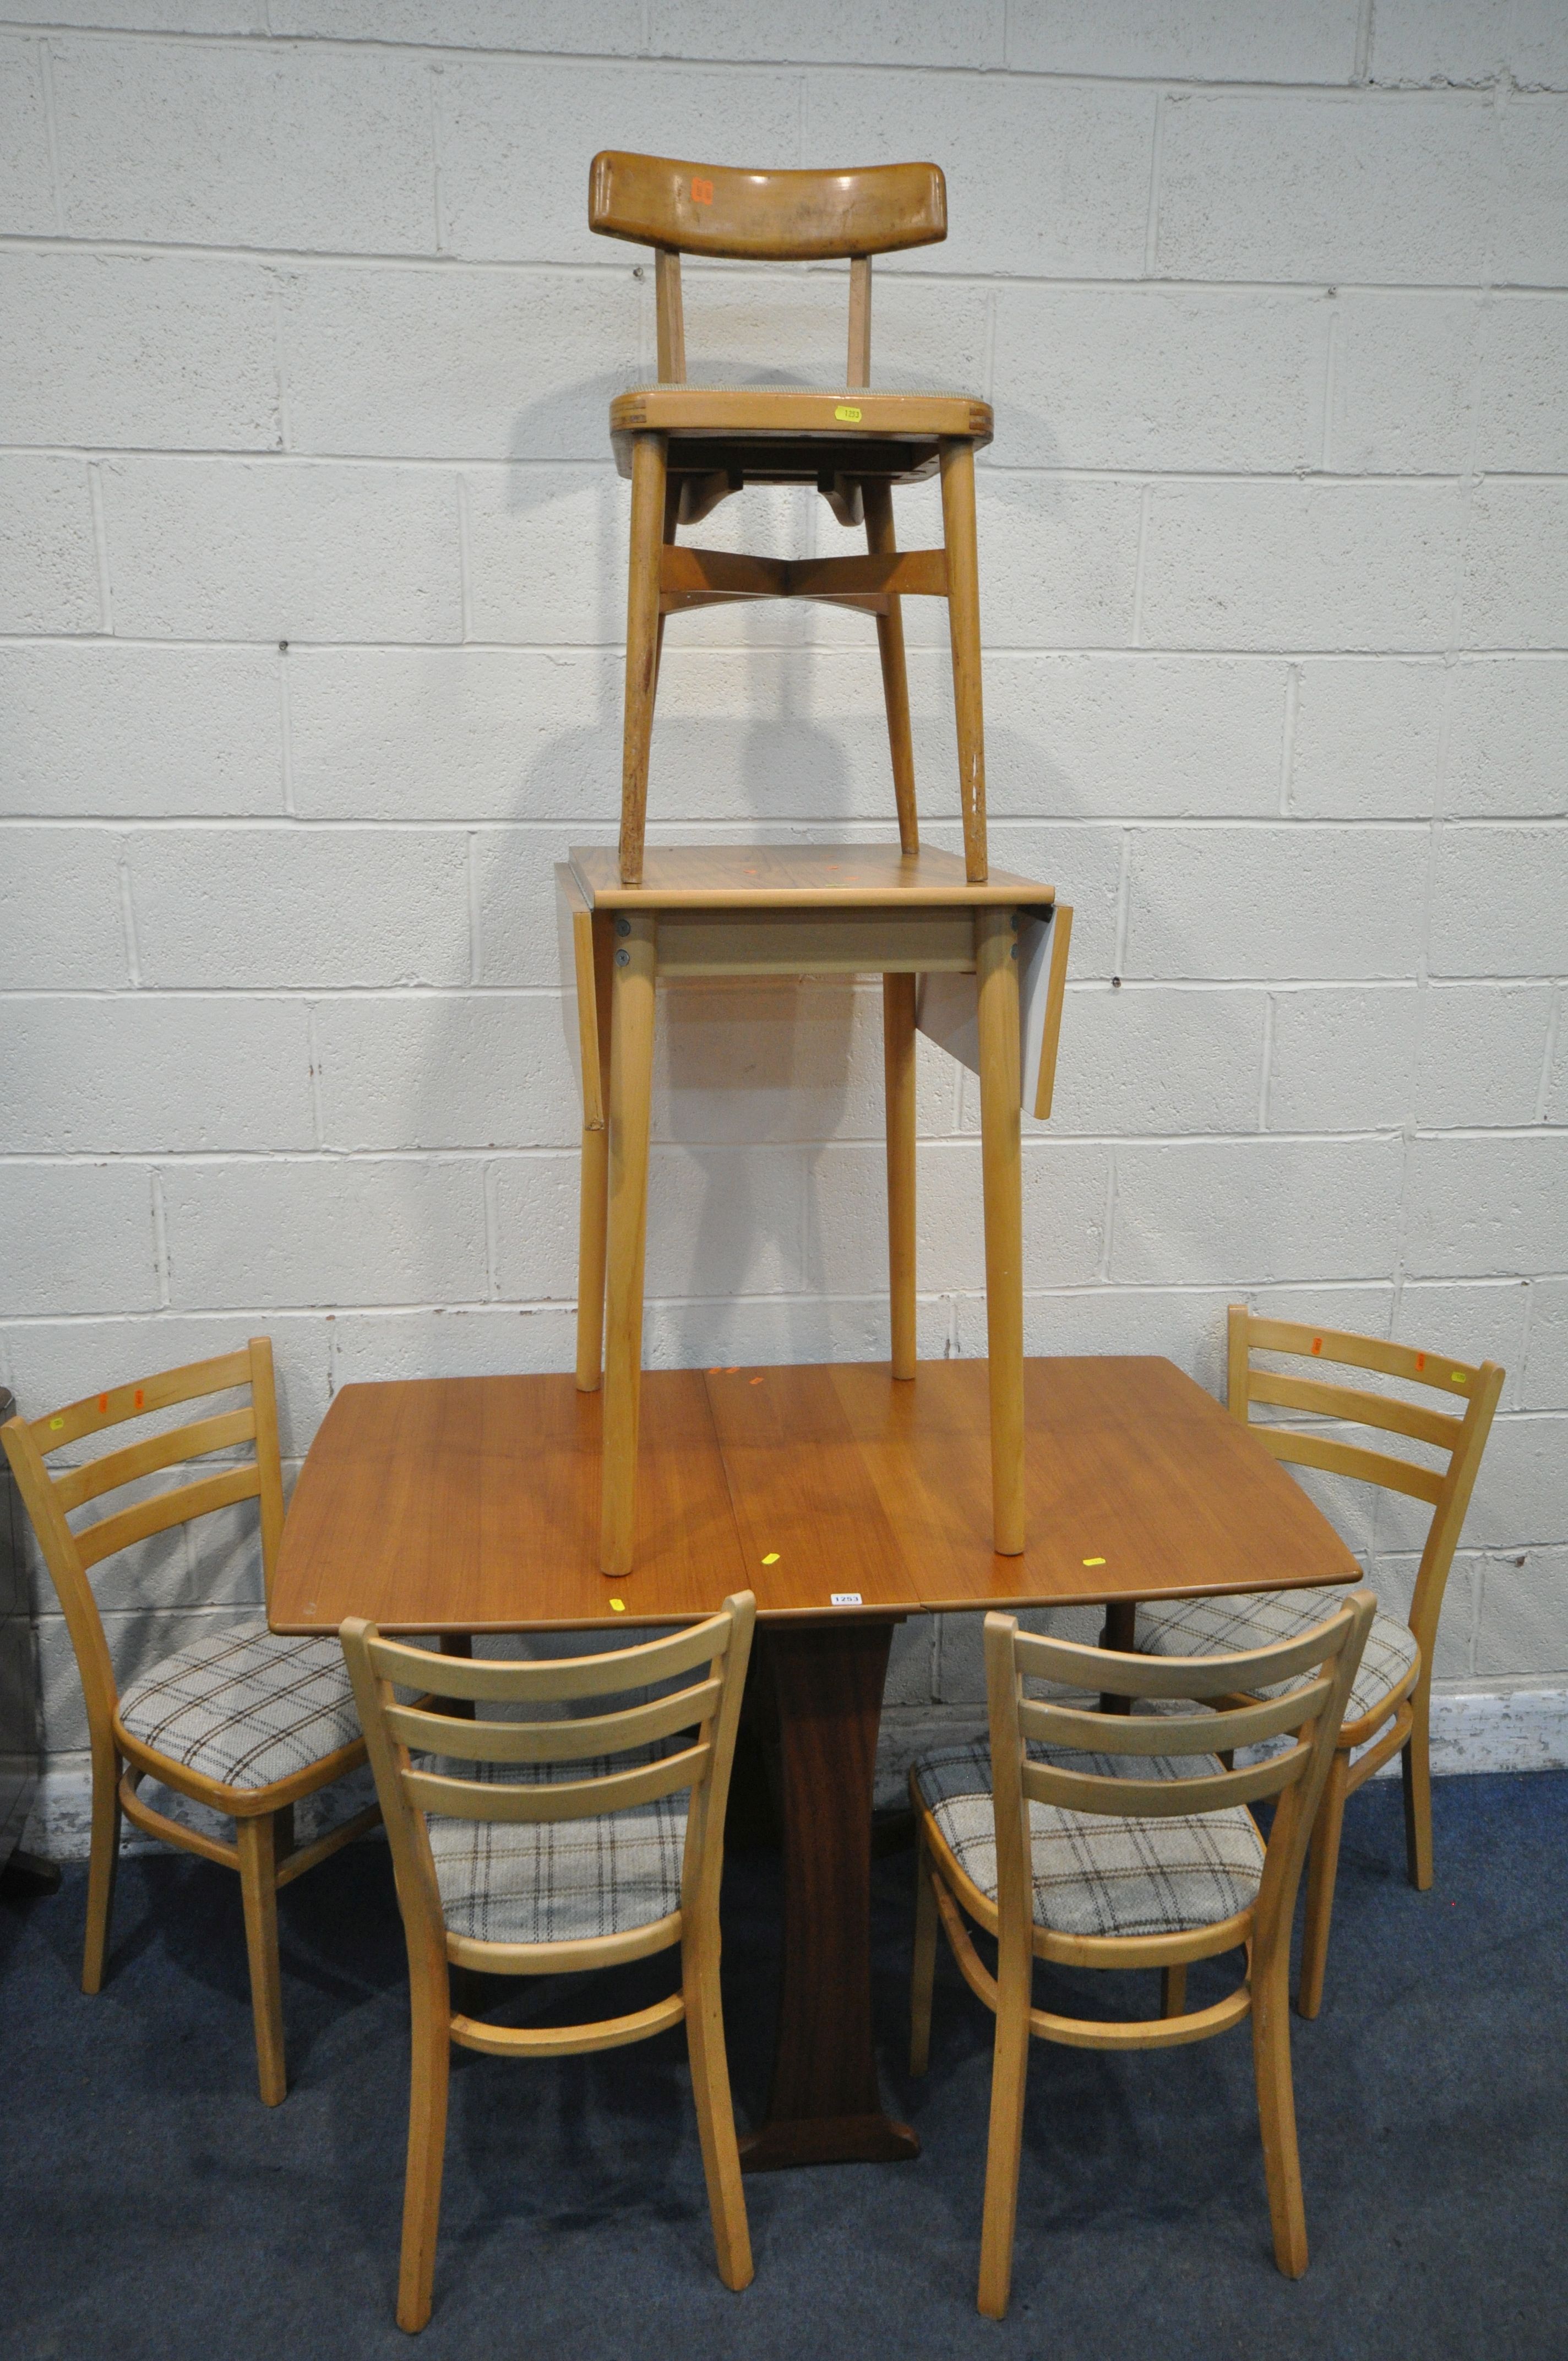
(152, 2210)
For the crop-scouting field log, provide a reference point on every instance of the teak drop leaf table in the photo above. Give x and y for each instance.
(808, 910)
(462, 1505)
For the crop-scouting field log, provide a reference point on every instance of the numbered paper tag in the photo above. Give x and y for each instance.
(846, 1599)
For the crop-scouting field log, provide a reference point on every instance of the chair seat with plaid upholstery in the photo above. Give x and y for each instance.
(1094, 1874)
(245, 1707)
(559, 1881)
(1222, 1626)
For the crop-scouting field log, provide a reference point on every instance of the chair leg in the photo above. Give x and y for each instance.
(923, 1967)
(1004, 2141)
(716, 2114)
(1415, 1769)
(630, 1091)
(881, 542)
(1323, 1866)
(256, 1841)
(898, 1073)
(1277, 2113)
(104, 1863)
(642, 645)
(963, 627)
(429, 2075)
(1173, 1992)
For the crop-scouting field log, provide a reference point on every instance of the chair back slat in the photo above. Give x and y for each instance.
(139, 1400)
(166, 1509)
(487, 1680)
(1475, 1388)
(1069, 1662)
(1337, 1458)
(558, 1799)
(1161, 1799)
(1168, 1734)
(786, 216)
(75, 1485)
(553, 1741)
(1422, 1369)
(1361, 1409)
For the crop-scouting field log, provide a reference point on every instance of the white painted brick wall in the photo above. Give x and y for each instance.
(312, 582)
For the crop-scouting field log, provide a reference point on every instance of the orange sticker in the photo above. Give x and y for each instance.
(1420, 1360)
(1317, 1343)
(102, 1401)
(753, 1381)
(733, 1370)
(139, 1398)
(701, 192)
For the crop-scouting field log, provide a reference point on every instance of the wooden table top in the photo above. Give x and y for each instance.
(472, 1504)
(794, 876)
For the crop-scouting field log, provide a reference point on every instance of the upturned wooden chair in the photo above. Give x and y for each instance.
(1125, 1842)
(687, 447)
(562, 1847)
(245, 1722)
(1389, 1707)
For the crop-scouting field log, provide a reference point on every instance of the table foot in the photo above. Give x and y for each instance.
(828, 2139)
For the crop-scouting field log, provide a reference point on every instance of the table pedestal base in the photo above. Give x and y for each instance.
(821, 1693)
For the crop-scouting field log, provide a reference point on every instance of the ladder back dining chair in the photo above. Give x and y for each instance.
(1389, 1709)
(244, 1722)
(687, 447)
(1127, 1843)
(555, 1846)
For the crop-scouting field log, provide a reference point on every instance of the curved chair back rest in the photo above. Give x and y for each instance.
(678, 208)
(51, 1496)
(706, 1712)
(687, 208)
(1460, 1435)
(1311, 1714)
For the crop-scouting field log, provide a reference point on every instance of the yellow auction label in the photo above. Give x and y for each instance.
(847, 412)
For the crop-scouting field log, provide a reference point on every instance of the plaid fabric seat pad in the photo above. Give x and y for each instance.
(245, 1707)
(1093, 1875)
(558, 1881)
(1223, 1627)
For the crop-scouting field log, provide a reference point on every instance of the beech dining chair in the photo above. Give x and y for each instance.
(552, 1846)
(687, 448)
(1389, 1707)
(1124, 1841)
(245, 1722)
